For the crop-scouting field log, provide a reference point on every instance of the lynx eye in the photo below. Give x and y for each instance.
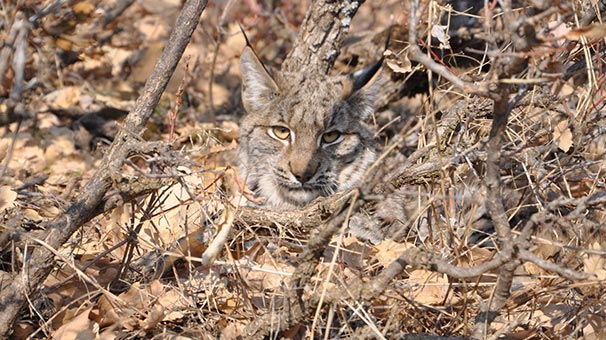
(331, 137)
(279, 132)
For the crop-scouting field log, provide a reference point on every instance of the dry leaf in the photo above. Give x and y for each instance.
(228, 131)
(235, 42)
(32, 215)
(109, 334)
(141, 300)
(267, 274)
(595, 327)
(595, 264)
(174, 304)
(79, 328)
(7, 198)
(154, 317)
(64, 44)
(83, 8)
(440, 32)
(34, 160)
(354, 253)
(61, 146)
(166, 228)
(64, 98)
(398, 64)
(397, 68)
(428, 287)
(146, 61)
(50, 212)
(47, 120)
(563, 136)
(161, 7)
(388, 251)
(564, 89)
(135, 296)
(233, 331)
(107, 313)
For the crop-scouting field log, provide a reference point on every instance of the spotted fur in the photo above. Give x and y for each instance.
(314, 108)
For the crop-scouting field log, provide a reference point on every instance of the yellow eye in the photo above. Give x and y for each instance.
(280, 132)
(330, 137)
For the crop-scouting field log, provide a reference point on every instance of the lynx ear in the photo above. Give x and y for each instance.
(258, 87)
(362, 89)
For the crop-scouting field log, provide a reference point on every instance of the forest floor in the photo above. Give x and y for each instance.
(81, 78)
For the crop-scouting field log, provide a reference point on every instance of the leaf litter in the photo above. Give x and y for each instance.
(250, 272)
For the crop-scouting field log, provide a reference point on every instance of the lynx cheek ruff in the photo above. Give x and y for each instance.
(305, 134)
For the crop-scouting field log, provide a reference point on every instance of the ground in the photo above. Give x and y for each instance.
(171, 252)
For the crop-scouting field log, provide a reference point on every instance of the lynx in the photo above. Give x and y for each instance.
(304, 135)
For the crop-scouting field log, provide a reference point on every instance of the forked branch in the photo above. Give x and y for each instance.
(14, 295)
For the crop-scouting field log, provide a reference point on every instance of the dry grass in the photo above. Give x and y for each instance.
(174, 255)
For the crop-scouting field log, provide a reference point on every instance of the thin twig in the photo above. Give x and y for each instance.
(415, 53)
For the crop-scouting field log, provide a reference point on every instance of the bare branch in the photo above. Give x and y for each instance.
(415, 53)
(13, 296)
(550, 266)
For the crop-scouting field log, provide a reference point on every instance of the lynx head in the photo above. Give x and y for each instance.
(305, 134)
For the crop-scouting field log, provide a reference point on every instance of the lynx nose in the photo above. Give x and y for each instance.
(303, 171)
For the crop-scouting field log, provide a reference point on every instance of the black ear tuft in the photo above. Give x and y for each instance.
(363, 90)
(364, 76)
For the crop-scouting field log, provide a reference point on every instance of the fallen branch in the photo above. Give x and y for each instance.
(36, 269)
(313, 215)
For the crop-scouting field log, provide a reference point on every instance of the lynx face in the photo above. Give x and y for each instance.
(304, 136)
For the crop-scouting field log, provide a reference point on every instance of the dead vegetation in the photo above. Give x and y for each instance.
(131, 227)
